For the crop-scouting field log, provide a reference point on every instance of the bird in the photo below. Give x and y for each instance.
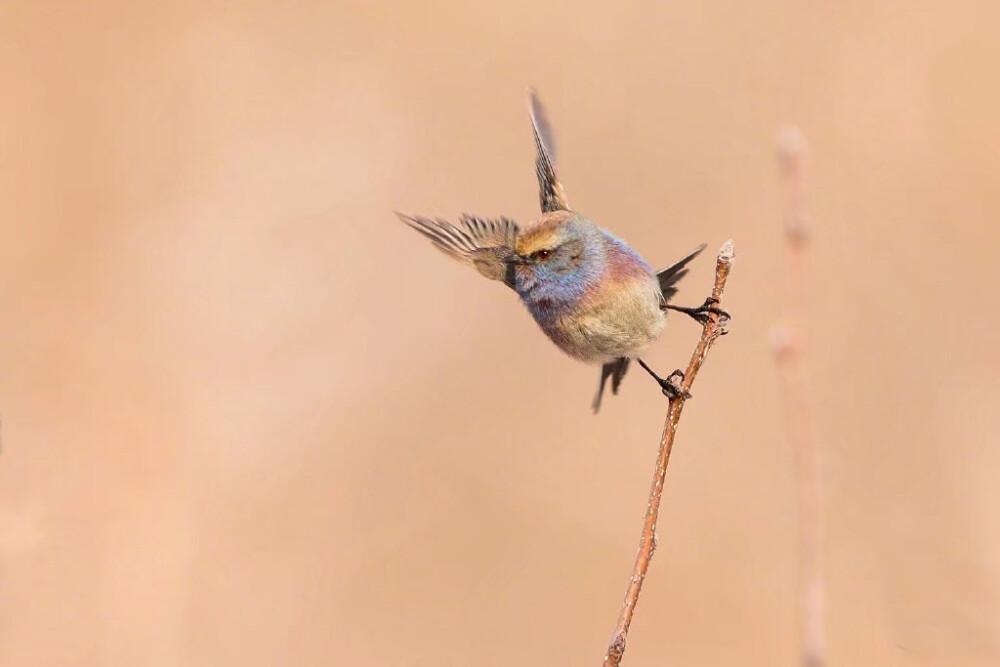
(594, 296)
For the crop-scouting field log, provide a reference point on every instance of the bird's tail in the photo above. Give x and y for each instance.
(670, 276)
(616, 371)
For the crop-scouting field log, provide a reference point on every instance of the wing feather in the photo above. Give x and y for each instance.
(483, 243)
(551, 194)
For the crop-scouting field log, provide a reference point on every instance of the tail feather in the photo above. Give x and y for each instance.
(670, 276)
(616, 371)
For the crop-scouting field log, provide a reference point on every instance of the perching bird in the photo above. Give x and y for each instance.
(593, 295)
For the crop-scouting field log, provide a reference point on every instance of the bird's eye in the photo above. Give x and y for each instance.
(543, 254)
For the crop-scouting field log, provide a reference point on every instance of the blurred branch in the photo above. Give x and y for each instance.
(787, 342)
(714, 327)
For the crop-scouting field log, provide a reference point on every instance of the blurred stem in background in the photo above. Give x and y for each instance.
(787, 343)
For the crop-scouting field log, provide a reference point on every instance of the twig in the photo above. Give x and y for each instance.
(788, 355)
(715, 326)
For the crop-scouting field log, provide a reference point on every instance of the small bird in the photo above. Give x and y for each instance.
(595, 297)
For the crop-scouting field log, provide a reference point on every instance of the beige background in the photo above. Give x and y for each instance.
(250, 419)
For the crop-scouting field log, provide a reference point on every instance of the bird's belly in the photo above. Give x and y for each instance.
(620, 327)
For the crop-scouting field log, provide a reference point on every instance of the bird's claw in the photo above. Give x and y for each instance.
(702, 313)
(710, 307)
(672, 385)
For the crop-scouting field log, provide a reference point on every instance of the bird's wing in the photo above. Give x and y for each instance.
(616, 371)
(483, 243)
(551, 194)
(670, 276)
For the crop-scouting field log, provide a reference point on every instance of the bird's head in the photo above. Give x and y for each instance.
(562, 246)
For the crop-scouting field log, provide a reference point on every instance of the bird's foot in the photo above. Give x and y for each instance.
(672, 385)
(702, 312)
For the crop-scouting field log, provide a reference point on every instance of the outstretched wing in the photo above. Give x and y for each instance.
(551, 194)
(616, 371)
(670, 276)
(483, 243)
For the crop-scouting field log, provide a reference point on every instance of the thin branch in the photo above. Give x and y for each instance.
(788, 355)
(715, 326)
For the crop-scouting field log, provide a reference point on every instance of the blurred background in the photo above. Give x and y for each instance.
(248, 418)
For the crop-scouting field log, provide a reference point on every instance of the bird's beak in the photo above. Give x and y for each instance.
(515, 260)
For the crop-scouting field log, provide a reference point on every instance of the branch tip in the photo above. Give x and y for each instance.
(727, 253)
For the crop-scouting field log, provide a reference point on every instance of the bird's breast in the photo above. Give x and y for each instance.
(608, 320)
